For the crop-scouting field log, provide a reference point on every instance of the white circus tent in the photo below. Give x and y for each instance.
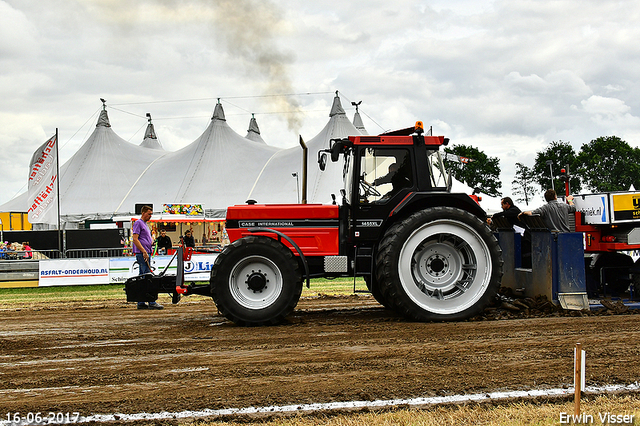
(93, 180)
(280, 180)
(216, 170)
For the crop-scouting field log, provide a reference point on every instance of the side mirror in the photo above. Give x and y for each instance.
(322, 160)
(336, 149)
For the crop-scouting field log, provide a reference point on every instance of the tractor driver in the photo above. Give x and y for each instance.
(397, 176)
(393, 168)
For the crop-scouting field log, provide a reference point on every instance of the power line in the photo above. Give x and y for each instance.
(367, 115)
(222, 97)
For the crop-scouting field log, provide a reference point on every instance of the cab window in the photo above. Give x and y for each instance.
(383, 173)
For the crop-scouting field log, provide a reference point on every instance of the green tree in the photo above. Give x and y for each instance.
(483, 172)
(524, 183)
(561, 154)
(609, 164)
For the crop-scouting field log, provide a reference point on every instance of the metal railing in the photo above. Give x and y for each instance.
(97, 252)
(27, 255)
(82, 253)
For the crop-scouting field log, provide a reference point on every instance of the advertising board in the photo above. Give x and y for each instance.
(196, 269)
(626, 207)
(96, 271)
(594, 208)
(73, 272)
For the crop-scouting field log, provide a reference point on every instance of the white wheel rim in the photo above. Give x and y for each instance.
(258, 267)
(445, 266)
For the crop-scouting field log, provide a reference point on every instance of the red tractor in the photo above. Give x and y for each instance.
(423, 251)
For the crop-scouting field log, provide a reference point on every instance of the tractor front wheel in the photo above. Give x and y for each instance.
(256, 281)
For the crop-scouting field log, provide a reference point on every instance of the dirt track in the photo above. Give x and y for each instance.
(101, 358)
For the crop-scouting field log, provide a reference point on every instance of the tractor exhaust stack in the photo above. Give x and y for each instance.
(305, 154)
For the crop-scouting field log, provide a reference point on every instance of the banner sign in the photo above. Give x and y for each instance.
(594, 208)
(626, 207)
(186, 209)
(116, 270)
(457, 158)
(73, 272)
(196, 269)
(42, 183)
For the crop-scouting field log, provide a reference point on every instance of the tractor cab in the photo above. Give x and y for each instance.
(383, 172)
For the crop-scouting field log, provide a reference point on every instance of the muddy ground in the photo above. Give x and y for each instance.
(108, 357)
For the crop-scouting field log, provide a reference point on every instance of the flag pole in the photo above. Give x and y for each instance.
(58, 189)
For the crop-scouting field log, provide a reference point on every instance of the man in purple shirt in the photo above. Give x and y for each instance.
(142, 243)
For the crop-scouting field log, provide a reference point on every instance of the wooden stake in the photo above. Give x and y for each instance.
(577, 370)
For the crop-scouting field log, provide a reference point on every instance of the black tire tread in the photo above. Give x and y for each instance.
(219, 279)
(388, 249)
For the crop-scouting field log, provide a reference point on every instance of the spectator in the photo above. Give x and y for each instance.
(163, 242)
(188, 239)
(554, 214)
(509, 212)
(11, 251)
(27, 250)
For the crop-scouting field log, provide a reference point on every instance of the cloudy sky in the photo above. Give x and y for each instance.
(507, 77)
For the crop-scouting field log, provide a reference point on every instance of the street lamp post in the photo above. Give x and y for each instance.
(295, 175)
(550, 163)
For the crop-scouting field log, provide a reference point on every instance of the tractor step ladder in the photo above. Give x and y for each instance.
(363, 259)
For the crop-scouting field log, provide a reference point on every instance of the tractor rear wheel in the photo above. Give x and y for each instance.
(256, 281)
(439, 264)
(612, 272)
(374, 288)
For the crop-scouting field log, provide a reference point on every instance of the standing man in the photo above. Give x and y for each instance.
(188, 239)
(555, 214)
(164, 242)
(142, 243)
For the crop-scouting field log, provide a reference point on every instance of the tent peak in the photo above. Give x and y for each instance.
(218, 112)
(150, 133)
(336, 108)
(103, 119)
(253, 125)
(150, 139)
(357, 122)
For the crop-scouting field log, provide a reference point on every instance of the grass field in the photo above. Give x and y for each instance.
(515, 413)
(25, 296)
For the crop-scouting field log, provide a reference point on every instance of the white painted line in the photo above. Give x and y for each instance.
(164, 415)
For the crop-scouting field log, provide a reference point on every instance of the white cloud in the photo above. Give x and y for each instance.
(17, 34)
(600, 105)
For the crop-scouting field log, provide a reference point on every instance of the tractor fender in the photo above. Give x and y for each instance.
(290, 241)
(416, 201)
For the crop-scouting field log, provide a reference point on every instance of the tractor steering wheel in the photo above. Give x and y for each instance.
(367, 189)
